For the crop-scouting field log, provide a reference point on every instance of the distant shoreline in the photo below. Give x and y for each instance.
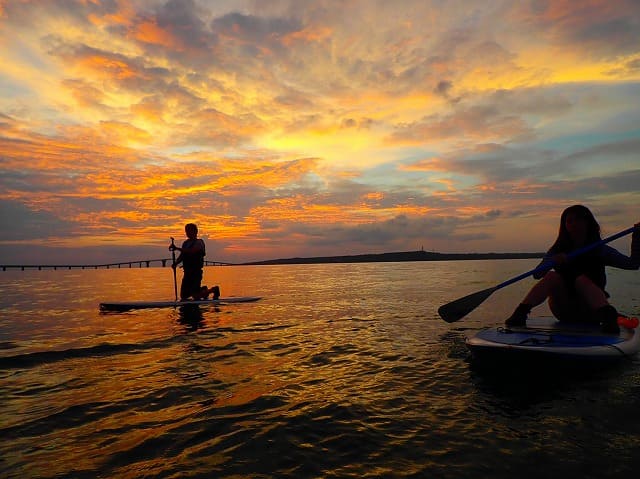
(358, 258)
(397, 257)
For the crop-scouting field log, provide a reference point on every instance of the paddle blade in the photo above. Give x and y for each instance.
(458, 309)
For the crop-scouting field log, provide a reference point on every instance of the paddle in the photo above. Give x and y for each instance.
(173, 257)
(459, 308)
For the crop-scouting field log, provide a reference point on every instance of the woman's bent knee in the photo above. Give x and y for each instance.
(553, 280)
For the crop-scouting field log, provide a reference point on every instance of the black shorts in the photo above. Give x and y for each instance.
(190, 283)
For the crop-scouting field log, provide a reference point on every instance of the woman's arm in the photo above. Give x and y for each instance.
(613, 257)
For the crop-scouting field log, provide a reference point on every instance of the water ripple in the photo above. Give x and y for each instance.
(317, 380)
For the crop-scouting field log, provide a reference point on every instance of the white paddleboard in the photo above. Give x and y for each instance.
(549, 339)
(126, 306)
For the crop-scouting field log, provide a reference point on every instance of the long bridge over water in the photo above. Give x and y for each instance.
(122, 264)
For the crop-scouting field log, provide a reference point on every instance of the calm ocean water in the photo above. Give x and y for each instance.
(342, 370)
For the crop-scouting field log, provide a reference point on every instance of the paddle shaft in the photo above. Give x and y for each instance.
(173, 267)
(547, 265)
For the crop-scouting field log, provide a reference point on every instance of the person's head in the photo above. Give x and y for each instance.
(191, 230)
(578, 225)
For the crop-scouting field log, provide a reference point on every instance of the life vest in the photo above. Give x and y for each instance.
(193, 261)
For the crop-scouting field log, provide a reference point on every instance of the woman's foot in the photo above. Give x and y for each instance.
(202, 294)
(608, 319)
(519, 316)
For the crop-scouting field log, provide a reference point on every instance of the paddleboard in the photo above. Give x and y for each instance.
(126, 306)
(546, 338)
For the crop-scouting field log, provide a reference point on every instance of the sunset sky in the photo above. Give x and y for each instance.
(311, 128)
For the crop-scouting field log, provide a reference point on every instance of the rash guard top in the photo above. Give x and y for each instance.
(592, 264)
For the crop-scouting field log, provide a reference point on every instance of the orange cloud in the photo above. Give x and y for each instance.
(106, 67)
(308, 35)
(122, 16)
(149, 32)
(426, 164)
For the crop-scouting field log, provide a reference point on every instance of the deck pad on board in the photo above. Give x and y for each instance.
(548, 337)
(535, 337)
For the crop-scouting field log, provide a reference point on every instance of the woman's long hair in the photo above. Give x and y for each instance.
(563, 243)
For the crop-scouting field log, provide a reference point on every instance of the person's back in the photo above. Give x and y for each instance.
(193, 254)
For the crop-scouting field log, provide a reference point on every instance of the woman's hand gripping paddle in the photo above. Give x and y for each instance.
(173, 267)
(458, 309)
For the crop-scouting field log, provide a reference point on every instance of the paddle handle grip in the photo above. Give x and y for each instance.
(547, 265)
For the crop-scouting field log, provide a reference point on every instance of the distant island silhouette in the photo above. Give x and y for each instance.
(358, 258)
(397, 257)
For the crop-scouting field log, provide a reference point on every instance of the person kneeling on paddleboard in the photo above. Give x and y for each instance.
(576, 288)
(191, 256)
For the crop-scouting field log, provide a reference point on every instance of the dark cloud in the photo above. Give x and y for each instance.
(501, 115)
(628, 69)
(603, 29)
(591, 188)
(255, 48)
(20, 223)
(6, 121)
(209, 126)
(443, 88)
(129, 73)
(398, 232)
(529, 101)
(357, 123)
(624, 148)
(184, 18)
(255, 30)
(294, 99)
(28, 14)
(507, 164)
(472, 124)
